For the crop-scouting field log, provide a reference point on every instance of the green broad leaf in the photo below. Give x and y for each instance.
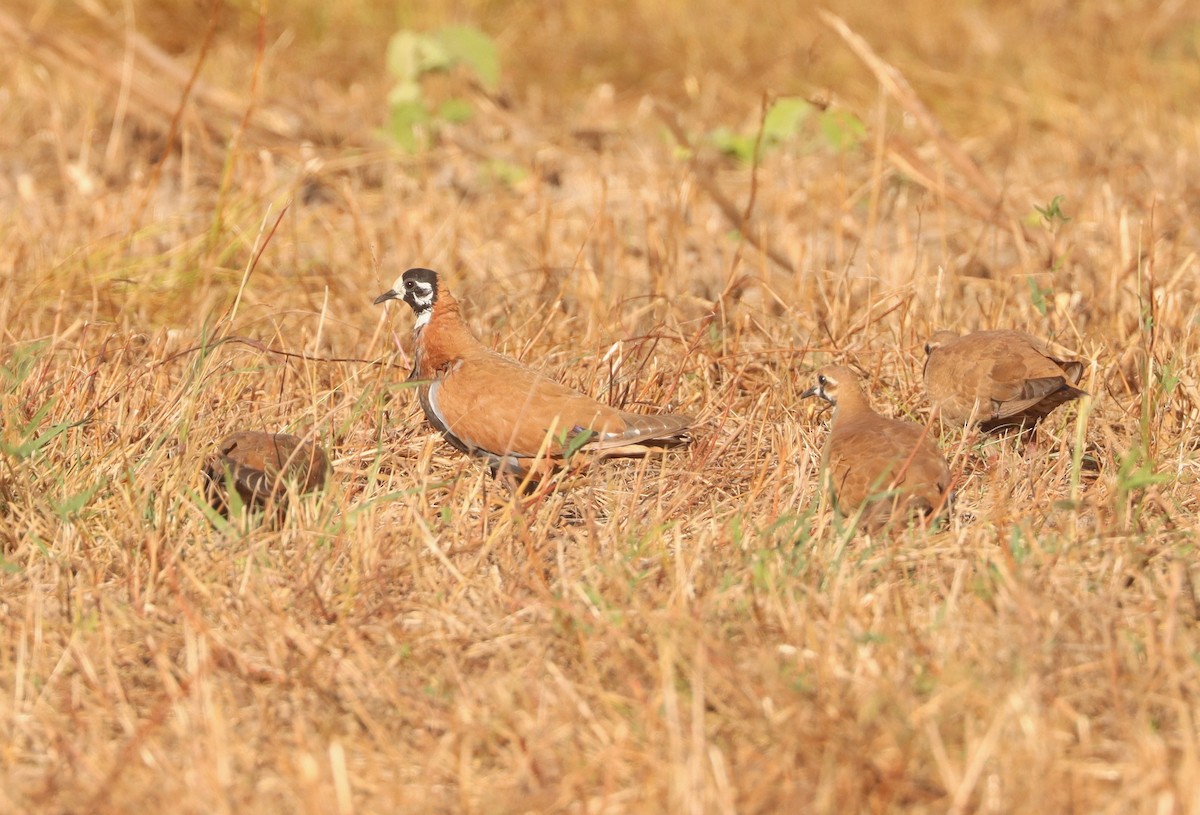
(733, 144)
(455, 110)
(403, 124)
(1169, 379)
(505, 172)
(784, 118)
(404, 56)
(471, 47)
(434, 55)
(407, 92)
(842, 129)
(574, 443)
(410, 55)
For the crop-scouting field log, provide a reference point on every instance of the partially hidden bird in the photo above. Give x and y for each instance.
(889, 469)
(998, 379)
(489, 405)
(259, 466)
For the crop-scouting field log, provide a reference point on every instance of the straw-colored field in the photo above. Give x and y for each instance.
(198, 212)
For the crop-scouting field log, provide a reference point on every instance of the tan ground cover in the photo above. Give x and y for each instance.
(691, 633)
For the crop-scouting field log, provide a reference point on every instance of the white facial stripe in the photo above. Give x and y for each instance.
(420, 297)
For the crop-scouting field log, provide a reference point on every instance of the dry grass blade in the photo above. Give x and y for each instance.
(156, 92)
(982, 199)
(738, 218)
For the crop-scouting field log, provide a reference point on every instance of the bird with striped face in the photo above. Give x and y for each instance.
(489, 405)
(888, 468)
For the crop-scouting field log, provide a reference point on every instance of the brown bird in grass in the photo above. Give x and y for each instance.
(893, 467)
(486, 404)
(998, 378)
(260, 465)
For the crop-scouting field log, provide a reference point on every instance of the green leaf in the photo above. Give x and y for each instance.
(682, 153)
(404, 121)
(577, 441)
(410, 55)
(1169, 379)
(407, 92)
(455, 110)
(733, 144)
(1038, 295)
(22, 358)
(30, 446)
(1144, 478)
(505, 172)
(1052, 212)
(1137, 472)
(69, 507)
(404, 56)
(842, 129)
(472, 47)
(784, 118)
(215, 518)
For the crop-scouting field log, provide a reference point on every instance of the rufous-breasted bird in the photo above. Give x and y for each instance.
(259, 466)
(998, 379)
(489, 405)
(891, 466)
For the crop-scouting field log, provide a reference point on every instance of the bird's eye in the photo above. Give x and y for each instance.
(928, 349)
(408, 284)
(821, 380)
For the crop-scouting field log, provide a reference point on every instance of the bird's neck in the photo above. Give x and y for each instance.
(443, 338)
(852, 403)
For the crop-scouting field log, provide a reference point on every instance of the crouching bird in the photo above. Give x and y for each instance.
(486, 404)
(998, 379)
(887, 467)
(259, 466)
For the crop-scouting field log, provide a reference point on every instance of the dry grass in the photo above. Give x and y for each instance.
(693, 633)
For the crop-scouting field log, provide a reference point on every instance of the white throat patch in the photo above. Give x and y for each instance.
(423, 319)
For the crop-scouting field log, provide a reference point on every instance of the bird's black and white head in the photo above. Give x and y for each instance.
(418, 288)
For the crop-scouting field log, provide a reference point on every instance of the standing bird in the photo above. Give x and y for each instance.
(999, 379)
(486, 404)
(891, 468)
